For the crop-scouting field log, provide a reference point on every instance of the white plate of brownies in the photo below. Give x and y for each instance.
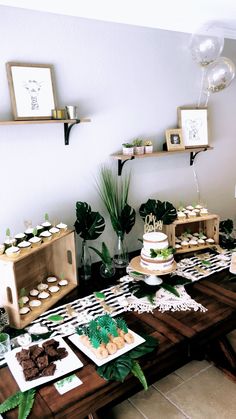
(41, 362)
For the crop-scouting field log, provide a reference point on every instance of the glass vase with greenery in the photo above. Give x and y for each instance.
(89, 225)
(114, 192)
(107, 269)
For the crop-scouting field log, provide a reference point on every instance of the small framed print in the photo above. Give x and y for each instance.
(194, 126)
(32, 90)
(174, 139)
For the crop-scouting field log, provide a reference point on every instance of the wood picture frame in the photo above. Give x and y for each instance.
(32, 90)
(194, 124)
(174, 139)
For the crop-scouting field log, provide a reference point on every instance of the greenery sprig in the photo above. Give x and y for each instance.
(24, 400)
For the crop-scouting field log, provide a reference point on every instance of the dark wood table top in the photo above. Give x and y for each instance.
(182, 336)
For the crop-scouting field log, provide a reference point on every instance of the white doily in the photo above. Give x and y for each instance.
(163, 301)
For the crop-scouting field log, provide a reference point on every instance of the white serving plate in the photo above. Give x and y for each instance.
(64, 366)
(75, 339)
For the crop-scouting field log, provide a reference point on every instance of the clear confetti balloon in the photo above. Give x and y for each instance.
(206, 48)
(219, 74)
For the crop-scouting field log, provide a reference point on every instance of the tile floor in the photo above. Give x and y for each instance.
(196, 391)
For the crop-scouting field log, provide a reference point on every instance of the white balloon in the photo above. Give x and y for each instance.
(206, 48)
(219, 74)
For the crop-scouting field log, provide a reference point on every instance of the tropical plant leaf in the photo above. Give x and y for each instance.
(127, 218)
(226, 226)
(176, 280)
(138, 373)
(146, 347)
(55, 318)
(10, 403)
(99, 295)
(89, 224)
(114, 194)
(170, 288)
(26, 403)
(163, 211)
(116, 370)
(104, 254)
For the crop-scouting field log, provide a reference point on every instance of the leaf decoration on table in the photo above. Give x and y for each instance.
(100, 295)
(24, 400)
(169, 288)
(119, 368)
(206, 263)
(10, 403)
(138, 373)
(55, 318)
(26, 403)
(163, 211)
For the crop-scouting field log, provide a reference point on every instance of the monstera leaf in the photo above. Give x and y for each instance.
(163, 211)
(89, 224)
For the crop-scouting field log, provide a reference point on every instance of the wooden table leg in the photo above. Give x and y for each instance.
(222, 354)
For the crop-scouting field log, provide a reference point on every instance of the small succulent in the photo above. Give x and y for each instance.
(138, 142)
(147, 143)
(127, 145)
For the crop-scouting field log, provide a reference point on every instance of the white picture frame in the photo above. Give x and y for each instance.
(32, 90)
(194, 124)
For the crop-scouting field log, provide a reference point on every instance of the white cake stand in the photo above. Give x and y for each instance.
(152, 277)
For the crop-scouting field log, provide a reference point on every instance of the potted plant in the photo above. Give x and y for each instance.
(114, 192)
(89, 225)
(138, 146)
(107, 269)
(148, 147)
(128, 149)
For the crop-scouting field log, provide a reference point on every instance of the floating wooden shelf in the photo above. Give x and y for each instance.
(68, 124)
(122, 158)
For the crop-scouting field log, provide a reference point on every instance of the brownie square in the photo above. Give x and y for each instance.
(49, 370)
(28, 363)
(42, 362)
(51, 342)
(62, 353)
(52, 352)
(37, 352)
(31, 373)
(23, 355)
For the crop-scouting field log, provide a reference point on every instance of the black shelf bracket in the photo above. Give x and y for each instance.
(121, 164)
(67, 129)
(194, 154)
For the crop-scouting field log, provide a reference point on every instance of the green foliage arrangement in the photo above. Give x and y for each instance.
(89, 224)
(226, 230)
(104, 254)
(163, 211)
(138, 142)
(24, 400)
(127, 145)
(114, 191)
(119, 368)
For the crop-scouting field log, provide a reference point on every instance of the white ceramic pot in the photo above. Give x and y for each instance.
(139, 150)
(148, 149)
(128, 151)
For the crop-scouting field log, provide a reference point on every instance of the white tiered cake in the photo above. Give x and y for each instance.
(155, 254)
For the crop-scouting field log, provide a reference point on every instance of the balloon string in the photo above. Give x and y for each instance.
(207, 99)
(197, 183)
(201, 86)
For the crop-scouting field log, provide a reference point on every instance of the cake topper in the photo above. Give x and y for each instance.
(152, 224)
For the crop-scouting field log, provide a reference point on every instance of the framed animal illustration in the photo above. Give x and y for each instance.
(32, 90)
(194, 124)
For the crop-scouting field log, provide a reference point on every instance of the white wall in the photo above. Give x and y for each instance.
(130, 81)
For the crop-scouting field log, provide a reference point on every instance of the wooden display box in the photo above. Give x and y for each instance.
(29, 269)
(208, 224)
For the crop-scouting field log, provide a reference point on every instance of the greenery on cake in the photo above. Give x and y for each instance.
(163, 253)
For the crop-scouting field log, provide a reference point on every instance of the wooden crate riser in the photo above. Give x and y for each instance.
(54, 258)
(209, 225)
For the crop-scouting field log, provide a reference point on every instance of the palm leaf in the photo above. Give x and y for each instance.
(163, 211)
(104, 254)
(89, 224)
(114, 192)
(10, 403)
(137, 372)
(26, 403)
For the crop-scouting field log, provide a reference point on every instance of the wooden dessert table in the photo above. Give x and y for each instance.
(183, 336)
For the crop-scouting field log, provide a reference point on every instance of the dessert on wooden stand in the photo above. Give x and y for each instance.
(156, 255)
